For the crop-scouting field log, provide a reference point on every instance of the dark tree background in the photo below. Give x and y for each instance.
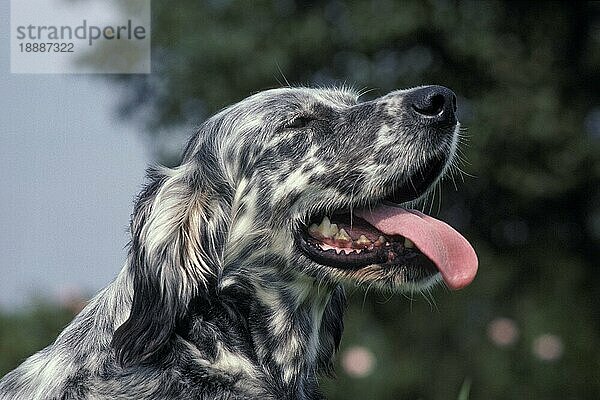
(527, 77)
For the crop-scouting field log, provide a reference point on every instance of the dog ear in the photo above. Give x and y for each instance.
(167, 261)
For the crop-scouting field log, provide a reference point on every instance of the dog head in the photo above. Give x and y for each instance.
(296, 182)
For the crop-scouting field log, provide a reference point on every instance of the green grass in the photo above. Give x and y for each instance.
(464, 390)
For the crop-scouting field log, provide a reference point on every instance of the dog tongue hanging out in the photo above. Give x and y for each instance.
(449, 250)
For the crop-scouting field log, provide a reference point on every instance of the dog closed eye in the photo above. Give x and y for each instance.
(299, 122)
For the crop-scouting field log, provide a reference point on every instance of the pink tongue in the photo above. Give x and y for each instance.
(449, 250)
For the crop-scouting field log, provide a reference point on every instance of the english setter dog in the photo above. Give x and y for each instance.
(232, 288)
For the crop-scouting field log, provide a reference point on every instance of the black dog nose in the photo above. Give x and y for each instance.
(434, 103)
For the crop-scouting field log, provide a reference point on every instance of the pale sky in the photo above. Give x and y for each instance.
(69, 173)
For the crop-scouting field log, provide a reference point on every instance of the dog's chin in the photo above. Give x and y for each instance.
(347, 247)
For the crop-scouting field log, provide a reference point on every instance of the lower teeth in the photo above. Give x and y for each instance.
(338, 250)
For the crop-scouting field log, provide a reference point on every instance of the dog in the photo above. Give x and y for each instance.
(233, 287)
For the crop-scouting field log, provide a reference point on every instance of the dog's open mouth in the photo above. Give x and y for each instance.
(391, 237)
(347, 242)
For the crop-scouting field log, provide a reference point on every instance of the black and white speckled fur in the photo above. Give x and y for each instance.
(215, 301)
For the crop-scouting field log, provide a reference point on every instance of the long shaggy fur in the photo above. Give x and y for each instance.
(214, 300)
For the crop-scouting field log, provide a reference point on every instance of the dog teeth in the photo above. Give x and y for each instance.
(313, 230)
(324, 227)
(344, 250)
(337, 250)
(380, 241)
(333, 230)
(325, 230)
(363, 241)
(335, 237)
(342, 236)
(348, 251)
(408, 243)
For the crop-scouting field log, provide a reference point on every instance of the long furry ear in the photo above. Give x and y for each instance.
(167, 261)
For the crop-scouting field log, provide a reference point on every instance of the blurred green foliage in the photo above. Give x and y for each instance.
(527, 77)
(27, 331)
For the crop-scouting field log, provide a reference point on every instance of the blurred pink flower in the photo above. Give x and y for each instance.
(548, 347)
(358, 361)
(503, 331)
